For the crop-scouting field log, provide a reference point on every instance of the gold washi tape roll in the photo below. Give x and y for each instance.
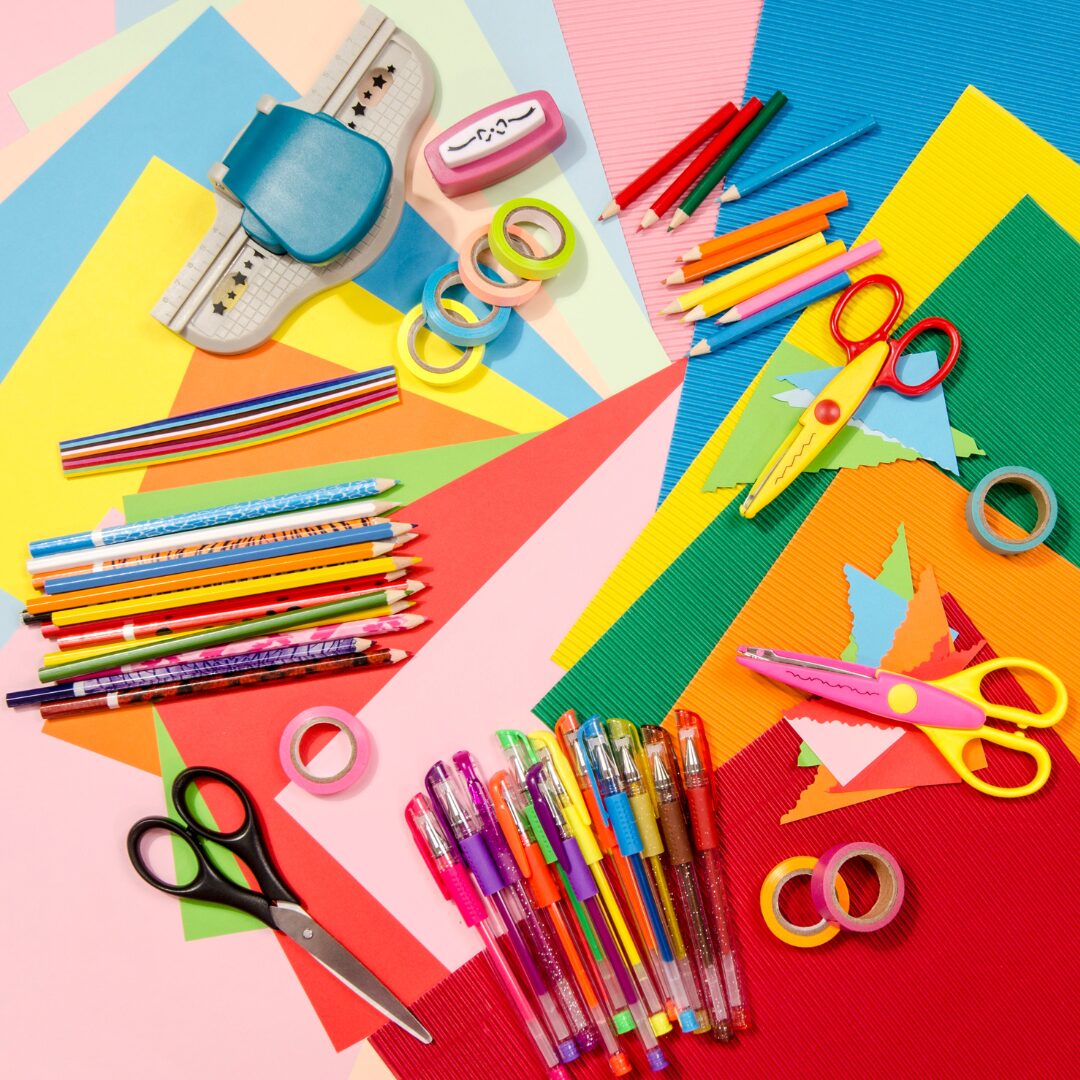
(442, 363)
(802, 937)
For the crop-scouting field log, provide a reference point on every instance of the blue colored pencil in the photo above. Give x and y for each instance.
(215, 515)
(797, 161)
(729, 333)
(229, 556)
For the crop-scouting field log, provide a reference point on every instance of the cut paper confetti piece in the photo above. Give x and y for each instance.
(921, 423)
(840, 737)
(201, 920)
(820, 796)
(924, 634)
(895, 575)
(416, 423)
(1019, 66)
(807, 756)
(876, 613)
(912, 761)
(633, 124)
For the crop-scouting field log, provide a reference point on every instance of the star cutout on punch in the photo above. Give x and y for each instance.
(379, 81)
(240, 279)
(359, 109)
(258, 255)
(367, 94)
(219, 308)
(248, 264)
(391, 68)
(230, 296)
(352, 125)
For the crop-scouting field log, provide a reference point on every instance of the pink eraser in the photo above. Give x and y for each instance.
(495, 142)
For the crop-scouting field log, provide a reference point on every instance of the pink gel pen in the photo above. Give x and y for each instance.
(453, 807)
(441, 858)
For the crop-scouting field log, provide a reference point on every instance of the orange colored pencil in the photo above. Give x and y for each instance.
(751, 249)
(825, 205)
(219, 575)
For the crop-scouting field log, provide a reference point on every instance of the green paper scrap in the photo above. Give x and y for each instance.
(1014, 299)
(56, 90)
(896, 576)
(200, 919)
(767, 422)
(420, 473)
(807, 757)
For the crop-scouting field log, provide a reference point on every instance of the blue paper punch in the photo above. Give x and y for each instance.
(309, 194)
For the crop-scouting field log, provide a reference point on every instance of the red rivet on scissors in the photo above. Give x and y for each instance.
(826, 411)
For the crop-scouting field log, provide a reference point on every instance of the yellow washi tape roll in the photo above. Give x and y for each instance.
(442, 363)
(802, 937)
(533, 212)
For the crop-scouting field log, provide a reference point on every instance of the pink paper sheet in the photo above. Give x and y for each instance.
(102, 982)
(649, 73)
(494, 655)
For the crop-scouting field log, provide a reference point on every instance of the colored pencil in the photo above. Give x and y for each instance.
(196, 541)
(117, 681)
(765, 299)
(695, 271)
(252, 586)
(641, 184)
(788, 165)
(374, 537)
(316, 630)
(154, 694)
(169, 623)
(837, 200)
(223, 575)
(700, 162)
(256, 628)
(218, 515)
(732, 154)
(751, 286)
(723, 336)
(688, 299)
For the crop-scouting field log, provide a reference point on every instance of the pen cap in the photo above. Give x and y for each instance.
(567, 730)
(697, 779)
(606, 781)
(485, 811)
(430, 838)
(521, 756)
(637, 779)
(510, 818)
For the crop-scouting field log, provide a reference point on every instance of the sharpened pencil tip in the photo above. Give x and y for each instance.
(729, 195)
(700, 349)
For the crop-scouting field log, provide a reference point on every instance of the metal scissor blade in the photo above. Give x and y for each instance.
(771, 656)
(295, 923)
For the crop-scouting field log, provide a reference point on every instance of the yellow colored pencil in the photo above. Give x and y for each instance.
(759, 266)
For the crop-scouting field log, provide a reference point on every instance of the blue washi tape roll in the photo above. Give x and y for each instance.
(448, 325)
(1045, 502)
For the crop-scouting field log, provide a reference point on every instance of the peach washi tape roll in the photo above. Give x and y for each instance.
(325, 716)
(825, 881)
(508, 290)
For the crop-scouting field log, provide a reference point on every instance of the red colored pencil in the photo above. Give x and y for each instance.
(733, 124)
(635, 188)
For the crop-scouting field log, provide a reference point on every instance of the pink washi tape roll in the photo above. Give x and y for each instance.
(359, 749)
(509, 290)
(890, 887)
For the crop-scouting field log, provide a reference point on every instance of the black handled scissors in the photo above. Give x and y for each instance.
(276, 904)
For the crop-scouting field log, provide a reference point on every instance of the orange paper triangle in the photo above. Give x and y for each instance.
(819, 797)
(126, 736)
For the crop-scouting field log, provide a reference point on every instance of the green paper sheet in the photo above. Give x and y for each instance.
(200, 919)
(807, 757)
(767, 422)
(1014, 299)
(895, 575)
(420, 472)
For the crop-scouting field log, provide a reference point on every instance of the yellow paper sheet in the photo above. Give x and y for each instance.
(978, 164)
(100, 361)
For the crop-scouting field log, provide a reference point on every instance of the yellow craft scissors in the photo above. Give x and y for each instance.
(950, 712)
(871, 362)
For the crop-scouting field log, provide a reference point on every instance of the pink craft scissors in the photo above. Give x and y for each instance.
(950, 711)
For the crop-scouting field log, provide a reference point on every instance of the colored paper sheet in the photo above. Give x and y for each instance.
(97, 945)
(490, 502)
(923, 636)
(876, 612)
(1022, 64)
(977, 134)
(201, 920)
(821, 796)
(631, 70)
(839, 738)
(895, 575)
(807, 757)
(940, 939)
(129, 12)
(530, 46)
(420, 473)
(415, 423)
(514, 671)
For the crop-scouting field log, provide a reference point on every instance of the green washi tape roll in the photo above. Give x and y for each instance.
(1045, 502)
(533, 212)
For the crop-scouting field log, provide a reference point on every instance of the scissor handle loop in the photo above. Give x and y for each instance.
(853, 348)
(888, 376)
(951, 742)
(968, 683)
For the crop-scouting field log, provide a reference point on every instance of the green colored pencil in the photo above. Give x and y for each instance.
(255, 628)
(727, 159)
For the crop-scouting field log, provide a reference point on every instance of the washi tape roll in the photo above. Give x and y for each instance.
(1045, 502)
(437, 371)
(534, 212)
(447, 323)
(825, 882)
(351, 771)
(802, 937)
(505, 289)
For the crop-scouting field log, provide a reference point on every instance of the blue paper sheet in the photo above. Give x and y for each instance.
(839, 61)
(920, 423)
(877, 613)
(186, 107)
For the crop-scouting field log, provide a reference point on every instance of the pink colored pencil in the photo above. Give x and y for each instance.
(808, 278)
